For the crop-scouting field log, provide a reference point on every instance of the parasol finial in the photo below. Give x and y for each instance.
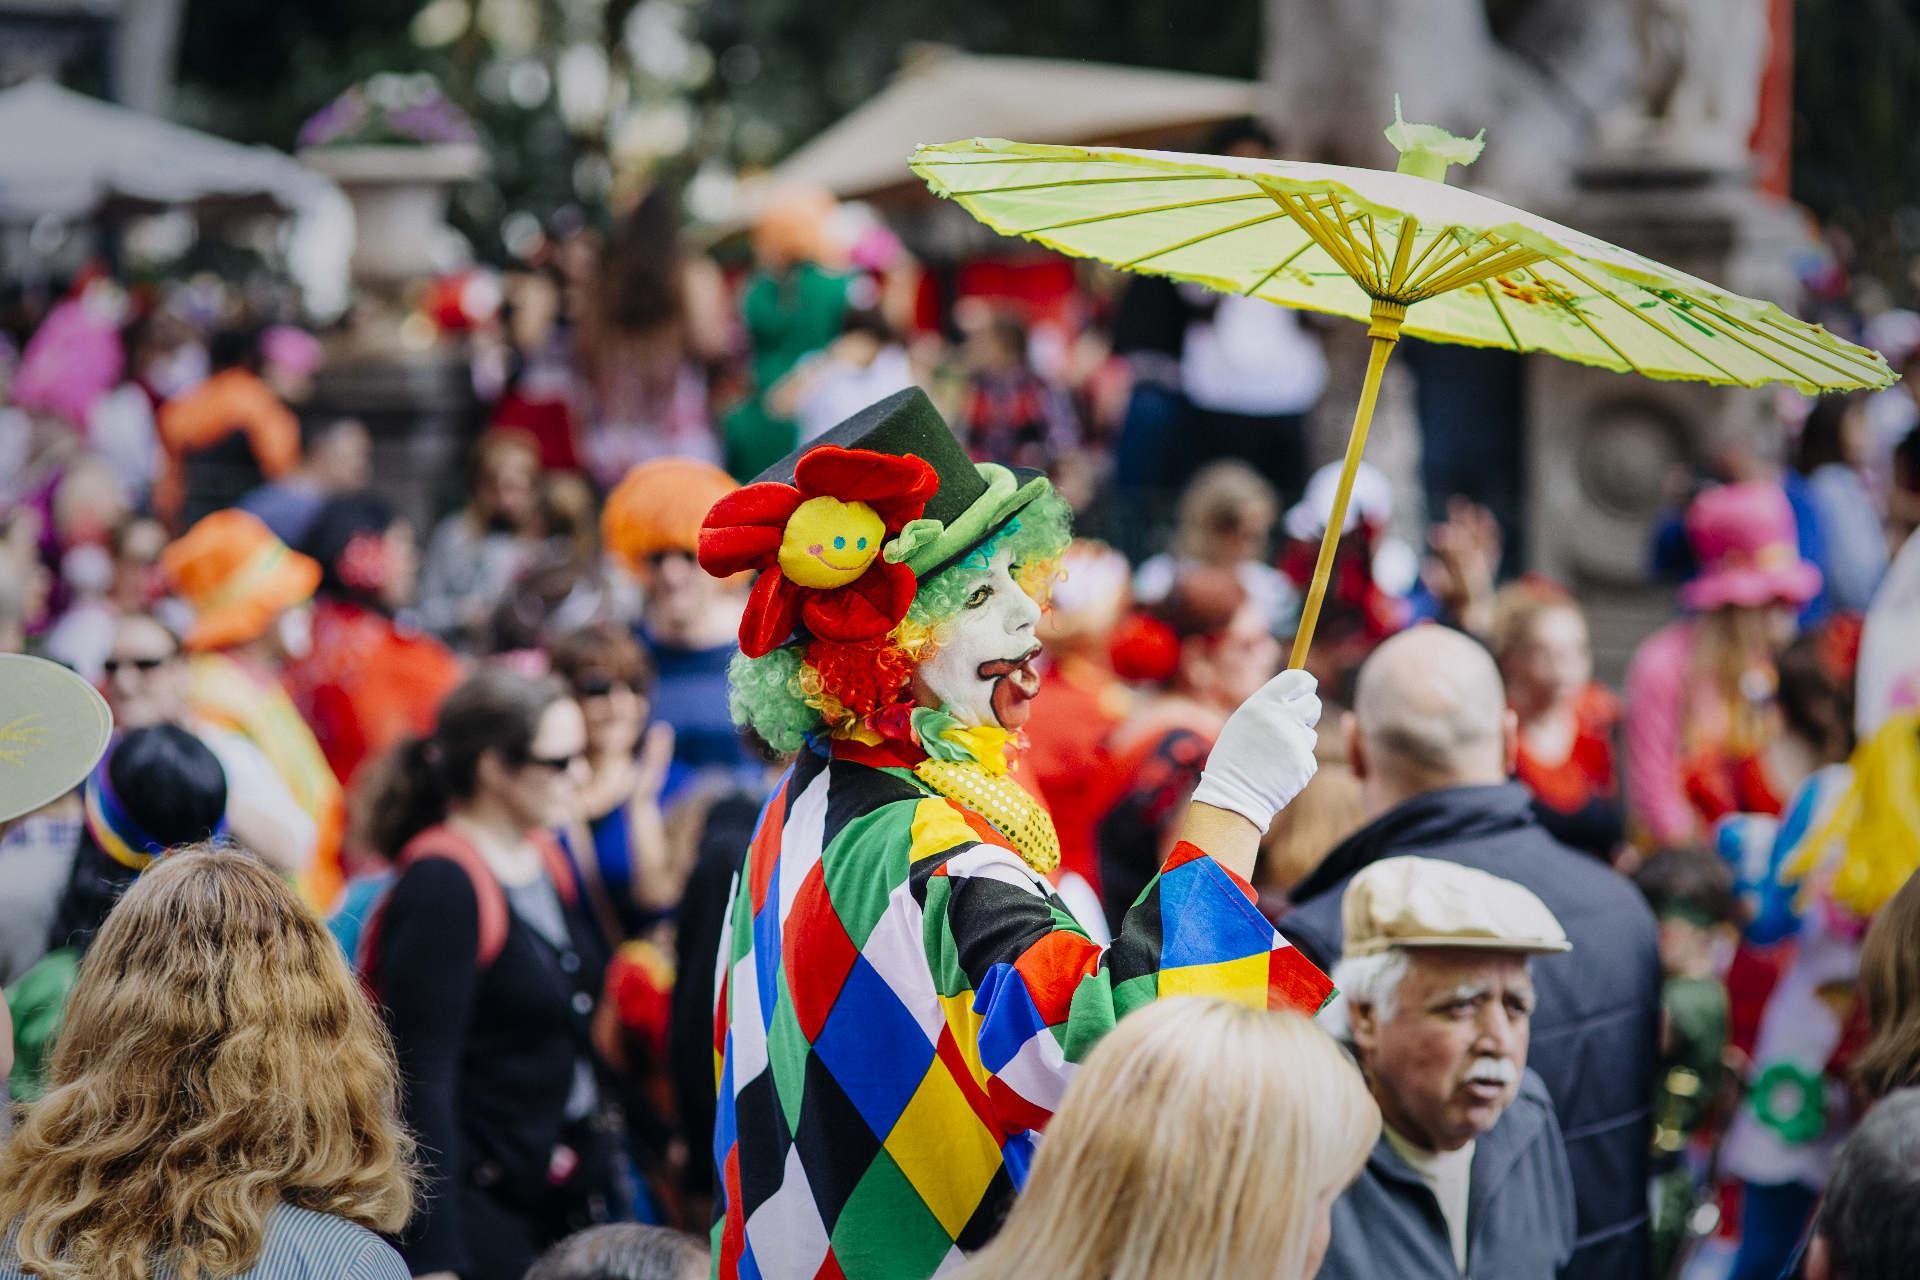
(1427, 150)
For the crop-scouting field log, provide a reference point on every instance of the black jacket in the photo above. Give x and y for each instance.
(1596, 1028)
(701, 920)
(487, 1062)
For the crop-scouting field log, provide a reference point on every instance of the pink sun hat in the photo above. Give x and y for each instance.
(1744, 537)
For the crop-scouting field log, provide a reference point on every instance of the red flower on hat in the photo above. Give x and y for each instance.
(817, 543)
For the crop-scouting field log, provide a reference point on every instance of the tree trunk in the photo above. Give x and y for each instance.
(144, 50)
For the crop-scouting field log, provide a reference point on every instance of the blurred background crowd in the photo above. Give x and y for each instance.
(362, 534)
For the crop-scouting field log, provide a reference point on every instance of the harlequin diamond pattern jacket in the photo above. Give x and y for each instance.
(901, 1002)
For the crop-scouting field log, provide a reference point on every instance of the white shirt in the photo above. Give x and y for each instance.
(843, 388)
(261, 810)
(1252, 357)
(1448, 1175)
(1890, 415)
(120, 429)
(1270, 590)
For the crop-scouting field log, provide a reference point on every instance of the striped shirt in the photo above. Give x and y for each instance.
(300, 1245)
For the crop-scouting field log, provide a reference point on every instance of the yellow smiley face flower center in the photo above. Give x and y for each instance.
(829, 543)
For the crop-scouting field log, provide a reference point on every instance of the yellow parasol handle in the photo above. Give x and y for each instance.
(1385, 332)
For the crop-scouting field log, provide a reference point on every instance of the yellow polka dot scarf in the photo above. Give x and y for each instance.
(968, 765)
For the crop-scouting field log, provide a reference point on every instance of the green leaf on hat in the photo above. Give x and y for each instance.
(913, 537)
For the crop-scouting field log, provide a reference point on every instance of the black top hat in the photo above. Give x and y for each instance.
(974, 499)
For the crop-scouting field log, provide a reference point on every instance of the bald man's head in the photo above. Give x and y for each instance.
(1430, 712)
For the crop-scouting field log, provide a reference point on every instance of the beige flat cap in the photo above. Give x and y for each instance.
(1424, 902)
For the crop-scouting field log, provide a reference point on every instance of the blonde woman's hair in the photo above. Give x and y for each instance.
(1196, 1142)
(1890, 986)
(217, 1058)
(1518, 606)
(1216, 501)
(1731, 645)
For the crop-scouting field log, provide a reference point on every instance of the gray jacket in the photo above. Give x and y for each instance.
(1520, 1223)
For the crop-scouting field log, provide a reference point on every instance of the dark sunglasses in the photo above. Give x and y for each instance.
(559, 764)
(599, 686)
(145, 666)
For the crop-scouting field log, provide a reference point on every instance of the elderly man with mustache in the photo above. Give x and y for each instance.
(1470, 1175)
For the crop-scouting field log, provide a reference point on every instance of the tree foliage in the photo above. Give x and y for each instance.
(751, 79)
(744, 82)
(798, 65)
(1856, 135)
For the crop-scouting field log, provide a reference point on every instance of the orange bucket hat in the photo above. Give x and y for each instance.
(237, 576)
(658, 506)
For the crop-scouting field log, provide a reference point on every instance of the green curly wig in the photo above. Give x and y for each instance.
(784, 697)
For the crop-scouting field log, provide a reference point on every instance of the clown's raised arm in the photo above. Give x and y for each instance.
(901, 995)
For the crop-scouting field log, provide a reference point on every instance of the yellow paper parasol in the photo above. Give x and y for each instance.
(1402, 251)
(54, 727)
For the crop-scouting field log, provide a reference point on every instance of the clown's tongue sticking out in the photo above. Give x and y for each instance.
(981, 670)
(1014, 685)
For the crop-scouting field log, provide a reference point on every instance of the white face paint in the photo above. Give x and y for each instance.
(982, 667)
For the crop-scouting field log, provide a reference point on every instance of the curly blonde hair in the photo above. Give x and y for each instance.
(217, 1058)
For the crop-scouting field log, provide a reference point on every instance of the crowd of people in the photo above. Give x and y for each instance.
(637, 872)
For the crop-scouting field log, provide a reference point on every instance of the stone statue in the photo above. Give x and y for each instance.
(1699, 83)
(1534, 81)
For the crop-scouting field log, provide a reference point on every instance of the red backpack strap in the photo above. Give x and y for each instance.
(559, 867)
(366, 957)
(489, 898)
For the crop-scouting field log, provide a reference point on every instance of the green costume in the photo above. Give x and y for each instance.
(788, 317)
(38, 1003)
(1697, 1018)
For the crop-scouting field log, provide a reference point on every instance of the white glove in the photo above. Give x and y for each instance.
(1264, 755)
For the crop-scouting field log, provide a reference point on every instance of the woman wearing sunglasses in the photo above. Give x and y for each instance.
(146, 682)
(620, 841)
(487, 971)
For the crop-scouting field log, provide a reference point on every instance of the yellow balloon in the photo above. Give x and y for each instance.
(829, 543)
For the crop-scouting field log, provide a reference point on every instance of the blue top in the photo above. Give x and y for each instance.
(354, 908)
(286, 508)
(608, 857)
(1856, 545)
(300, 1245)
(1812, 537)
(691, 695)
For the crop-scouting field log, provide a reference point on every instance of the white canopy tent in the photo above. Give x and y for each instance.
(68, 156)
(943, 93)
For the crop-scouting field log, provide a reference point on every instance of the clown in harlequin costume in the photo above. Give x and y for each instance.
(901, 998)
